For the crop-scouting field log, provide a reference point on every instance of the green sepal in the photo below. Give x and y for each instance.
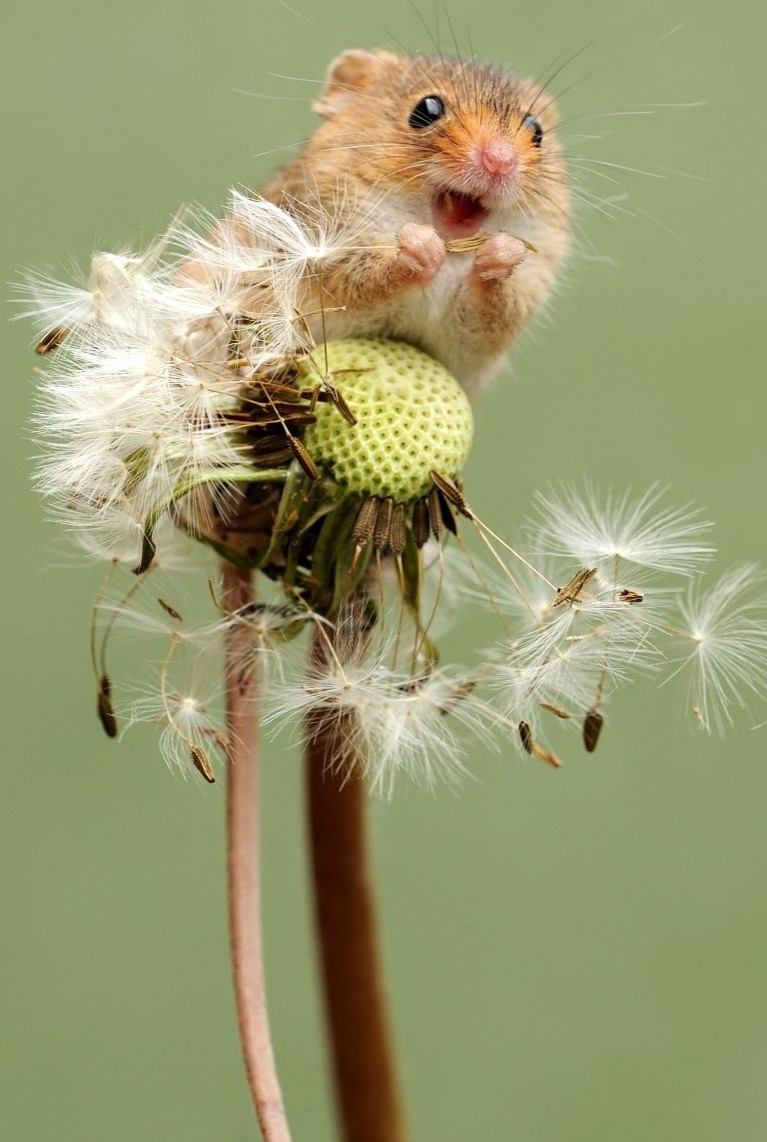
(333, 566)
(187, 483)
(288, 510)
(327, 546)
(349, 574)
(137, 465)
(412, 578)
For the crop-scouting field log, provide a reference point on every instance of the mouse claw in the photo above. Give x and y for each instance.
(498, 257)
(420, 251)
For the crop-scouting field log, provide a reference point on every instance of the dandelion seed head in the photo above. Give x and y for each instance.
(412, 735)
(51, 304)
(392, 725)
(182, 399)
(362, 694)
(727, 625)
(190, 716)
(603, 529)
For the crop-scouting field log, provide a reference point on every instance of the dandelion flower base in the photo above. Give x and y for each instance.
(412, 418)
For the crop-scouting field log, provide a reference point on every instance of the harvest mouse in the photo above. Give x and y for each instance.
(426, 153)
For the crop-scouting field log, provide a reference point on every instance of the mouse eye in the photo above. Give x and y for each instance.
(428, 111)
(535, 128)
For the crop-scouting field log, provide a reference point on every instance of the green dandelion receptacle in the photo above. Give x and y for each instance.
(413, 418)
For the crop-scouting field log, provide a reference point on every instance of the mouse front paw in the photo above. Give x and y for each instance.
(498, 257)
(420, 251)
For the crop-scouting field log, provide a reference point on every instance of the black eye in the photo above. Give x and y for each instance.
(534, 126)
(428, 111)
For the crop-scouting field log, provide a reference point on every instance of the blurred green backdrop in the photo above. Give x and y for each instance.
(574, 955)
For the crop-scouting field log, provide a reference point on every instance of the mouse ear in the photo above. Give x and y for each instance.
(348, 74)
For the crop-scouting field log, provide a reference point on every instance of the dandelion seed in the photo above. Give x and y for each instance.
(546, 755)
(557, 711)
(387, 721)
(189, 729)
(201, 762)
(592, 728)
(727, 627)
(603, 530)
(174, 614)
(526, 737)
(421, 526)
(570, 593)
(51, 340)
(105, 709)
(412, 734)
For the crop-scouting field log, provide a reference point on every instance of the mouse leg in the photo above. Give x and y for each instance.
(369, 277)
(421, 249)
(491, 306)
(490, 309)
(497, 258)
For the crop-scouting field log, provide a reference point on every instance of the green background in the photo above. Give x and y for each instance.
(572, 956)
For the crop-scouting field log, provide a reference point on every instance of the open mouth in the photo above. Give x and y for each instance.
(458, 215)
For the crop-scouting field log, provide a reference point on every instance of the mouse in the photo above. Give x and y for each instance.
(453, 180)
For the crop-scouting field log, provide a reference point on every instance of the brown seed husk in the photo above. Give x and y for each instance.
(557, 711)
(201, 763)
(546, 755)
(571, 591)
(592, 728)
(51, 340)
(339, 400)
(105, 710)
(304, 459)
(383, 525)
(461, 245)
(420, 522)
(460, 691)
(452, 492)
(434, 507)
(397, 531)
(174, 614)
(446, 512)
(364, 525)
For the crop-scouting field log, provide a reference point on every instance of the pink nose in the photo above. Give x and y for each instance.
(498, 158)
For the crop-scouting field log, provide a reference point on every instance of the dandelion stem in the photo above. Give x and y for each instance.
(243, 871)
(365, 1082)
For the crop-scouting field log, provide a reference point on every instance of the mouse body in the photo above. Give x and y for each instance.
(448, 180)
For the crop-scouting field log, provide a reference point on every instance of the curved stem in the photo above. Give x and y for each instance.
(365, 1081)
(242, 813)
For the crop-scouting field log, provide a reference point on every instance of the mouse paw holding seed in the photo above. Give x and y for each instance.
(420, 251)
(498, 257)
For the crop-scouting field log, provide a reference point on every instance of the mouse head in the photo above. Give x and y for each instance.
(472, 141)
